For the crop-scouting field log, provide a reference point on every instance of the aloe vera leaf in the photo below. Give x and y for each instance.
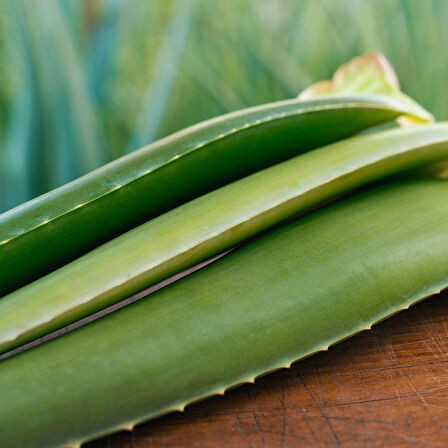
(286, 295)
(127, 192)
(210, 224)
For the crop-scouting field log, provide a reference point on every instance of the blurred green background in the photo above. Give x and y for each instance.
(85, 81)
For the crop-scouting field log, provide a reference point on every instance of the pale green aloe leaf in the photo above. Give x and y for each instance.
(371, 73)
(210, 224)
(289, 294)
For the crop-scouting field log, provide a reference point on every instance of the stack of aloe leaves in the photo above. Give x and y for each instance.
(331, 210)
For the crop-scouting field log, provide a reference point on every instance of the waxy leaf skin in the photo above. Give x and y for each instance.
(54, 229)
(210, 224)
(288, 294)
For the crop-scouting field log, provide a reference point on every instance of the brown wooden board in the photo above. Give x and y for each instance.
(384, 387)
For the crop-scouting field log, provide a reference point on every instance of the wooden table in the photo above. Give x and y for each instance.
(382, 388)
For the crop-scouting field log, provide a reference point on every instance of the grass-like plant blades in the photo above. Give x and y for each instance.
(53, 131)
(237, 54)
(210, 224)
(284, 296)
(91, 210)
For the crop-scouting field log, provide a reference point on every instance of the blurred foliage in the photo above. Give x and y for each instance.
(85, 81)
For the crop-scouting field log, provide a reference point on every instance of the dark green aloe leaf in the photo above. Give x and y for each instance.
(56, 228)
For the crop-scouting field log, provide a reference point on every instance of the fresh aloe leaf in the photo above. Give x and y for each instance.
(289, 294)
(210, 224)
(52, 230)
(371, 73)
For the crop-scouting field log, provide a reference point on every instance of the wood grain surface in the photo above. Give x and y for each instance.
(386, 387)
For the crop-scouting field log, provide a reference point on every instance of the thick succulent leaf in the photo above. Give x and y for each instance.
(284, 296)
(98, 207)
(371, 73)
(207, 225)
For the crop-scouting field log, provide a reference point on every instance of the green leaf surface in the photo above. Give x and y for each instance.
(284, 296)
(117, 197)
(210, 224)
